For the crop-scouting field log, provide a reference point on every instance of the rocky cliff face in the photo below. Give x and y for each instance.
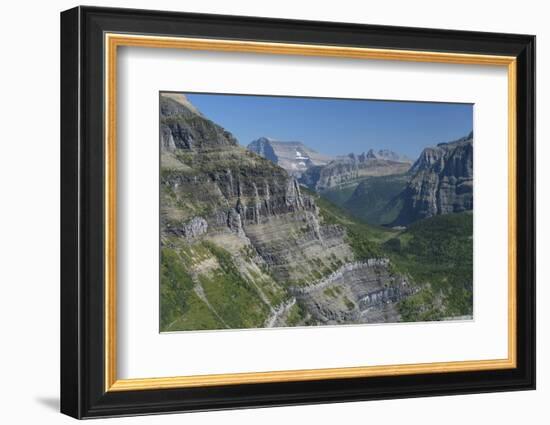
(238, 236)
(357, 292)
(205, 170)
(294, 157)
(349, 170)
(441, 182)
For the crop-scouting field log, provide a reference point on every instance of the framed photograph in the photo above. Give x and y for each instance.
(261, 212)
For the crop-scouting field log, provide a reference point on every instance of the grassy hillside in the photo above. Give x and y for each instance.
(437, 252)
(198, 280)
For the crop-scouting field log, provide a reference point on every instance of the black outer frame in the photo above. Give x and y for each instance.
(82, 219)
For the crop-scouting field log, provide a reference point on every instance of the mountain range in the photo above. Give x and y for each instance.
(384, 187)
(245, 243)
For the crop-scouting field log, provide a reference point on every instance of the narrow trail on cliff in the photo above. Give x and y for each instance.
(327, 280)
(280, 312)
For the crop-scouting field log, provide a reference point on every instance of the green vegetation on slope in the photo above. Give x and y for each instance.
(364, 239)
(233, 301)
(232, 296)
(181, 307)
(370, 202)
(436, 251)
(339, 195)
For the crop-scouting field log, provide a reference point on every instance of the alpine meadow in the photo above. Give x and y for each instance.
(287, 211)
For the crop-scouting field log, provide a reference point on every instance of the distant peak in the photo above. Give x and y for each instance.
(295, 157)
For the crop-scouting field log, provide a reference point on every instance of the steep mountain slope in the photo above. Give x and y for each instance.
(294, 157)
(441, 183)
(243, 246)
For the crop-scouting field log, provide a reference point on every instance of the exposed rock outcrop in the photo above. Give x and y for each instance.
(184, 127)
(337, 275)
(361, 292)
(198, 226)
(441, 182)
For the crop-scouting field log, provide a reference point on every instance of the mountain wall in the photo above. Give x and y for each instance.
(239, 236)
(441, 182)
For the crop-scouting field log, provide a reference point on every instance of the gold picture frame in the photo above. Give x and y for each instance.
(91, 41)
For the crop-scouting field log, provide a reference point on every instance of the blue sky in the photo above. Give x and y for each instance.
(338, 126)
